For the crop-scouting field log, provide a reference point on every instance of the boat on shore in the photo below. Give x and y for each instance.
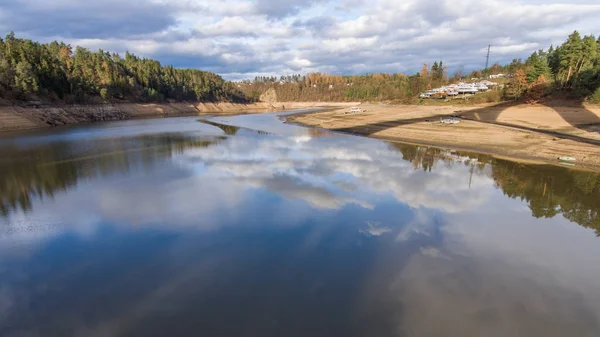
(355, 109)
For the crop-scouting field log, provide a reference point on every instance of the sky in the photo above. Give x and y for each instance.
(241, 39)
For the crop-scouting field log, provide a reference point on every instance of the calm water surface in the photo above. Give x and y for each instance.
(245, 226)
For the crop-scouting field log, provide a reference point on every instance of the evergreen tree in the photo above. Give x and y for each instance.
(571, 54)
(58, 72)
(25, 80)
(537, 65)
(52, 71)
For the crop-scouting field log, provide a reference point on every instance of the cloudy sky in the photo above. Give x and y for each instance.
(244, 38)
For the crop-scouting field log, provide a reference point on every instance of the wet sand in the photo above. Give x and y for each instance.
(526, 132)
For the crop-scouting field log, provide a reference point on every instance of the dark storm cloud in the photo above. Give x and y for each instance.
(86, 19)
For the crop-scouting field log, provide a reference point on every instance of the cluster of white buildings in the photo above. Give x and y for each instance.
(457, 89)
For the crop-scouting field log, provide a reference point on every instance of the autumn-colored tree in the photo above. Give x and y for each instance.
(517, 85)
(520, 79)
(495, 69)
(424, 71)
(537, 89)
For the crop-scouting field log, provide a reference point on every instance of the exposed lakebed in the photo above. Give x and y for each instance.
(246, 226)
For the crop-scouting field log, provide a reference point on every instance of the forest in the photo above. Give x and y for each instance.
(54, 72)
(571, 70)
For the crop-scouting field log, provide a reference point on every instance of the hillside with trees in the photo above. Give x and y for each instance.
(571, 70)
(315, 87)
(55, 72)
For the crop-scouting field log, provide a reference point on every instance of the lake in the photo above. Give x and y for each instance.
(247, 226)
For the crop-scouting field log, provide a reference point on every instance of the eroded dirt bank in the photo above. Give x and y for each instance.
(31, 116)
(524, 132)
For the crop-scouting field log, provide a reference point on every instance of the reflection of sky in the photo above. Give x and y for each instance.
(107, 130)
(319, 224)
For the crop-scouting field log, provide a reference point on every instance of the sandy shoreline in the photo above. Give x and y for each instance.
(524, 132)
(535, 133)
(19, 117)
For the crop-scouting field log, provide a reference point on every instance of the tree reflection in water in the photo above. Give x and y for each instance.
(548, 190)
(42, 171)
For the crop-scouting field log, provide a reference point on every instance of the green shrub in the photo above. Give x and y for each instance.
(595, 97)
(104, 93)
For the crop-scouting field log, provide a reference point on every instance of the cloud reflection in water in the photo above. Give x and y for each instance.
(354, 235)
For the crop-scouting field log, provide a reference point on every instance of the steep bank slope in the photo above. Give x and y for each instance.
(19, 117)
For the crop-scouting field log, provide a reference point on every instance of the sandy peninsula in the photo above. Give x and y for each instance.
(540, 133)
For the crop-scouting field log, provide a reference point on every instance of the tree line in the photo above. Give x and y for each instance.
(324, 87)
(54, 71)
(571, 69)
(369, 87)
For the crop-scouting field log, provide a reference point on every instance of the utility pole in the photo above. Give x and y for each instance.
(487, 58)
(471, 175)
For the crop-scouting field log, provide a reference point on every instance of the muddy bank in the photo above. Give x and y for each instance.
(524, 132)
(31, 116)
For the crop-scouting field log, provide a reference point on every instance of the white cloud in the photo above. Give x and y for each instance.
(297, 63)
(241, 38)
(300, 170)
(375, 229)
